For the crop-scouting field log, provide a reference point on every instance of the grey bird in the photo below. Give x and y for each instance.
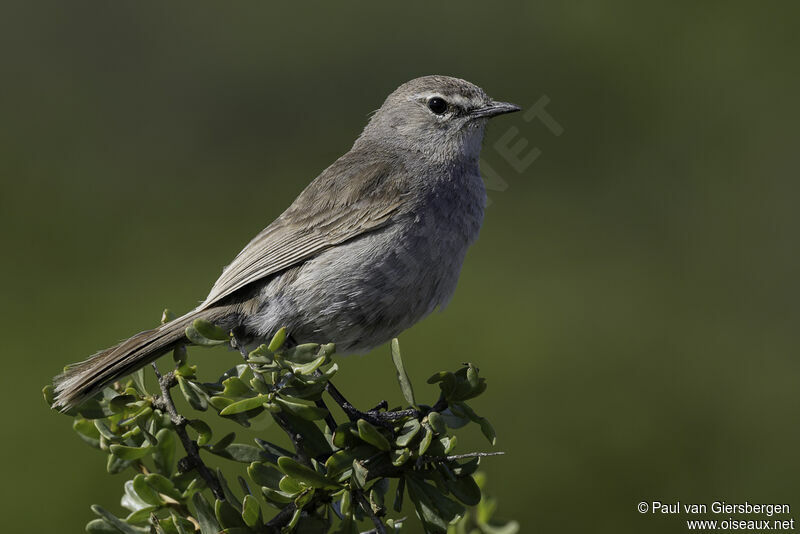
(371, 246)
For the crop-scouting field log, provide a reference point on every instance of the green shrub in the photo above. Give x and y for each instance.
(336, 478)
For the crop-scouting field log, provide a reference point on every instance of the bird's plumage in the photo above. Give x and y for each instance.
(370, 247)
(345, 206)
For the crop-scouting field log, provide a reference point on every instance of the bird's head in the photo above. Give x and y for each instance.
(440, 116)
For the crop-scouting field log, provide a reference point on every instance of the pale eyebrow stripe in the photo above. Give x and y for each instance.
(456, 99)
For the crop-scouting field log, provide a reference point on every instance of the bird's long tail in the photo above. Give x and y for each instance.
(82, 380)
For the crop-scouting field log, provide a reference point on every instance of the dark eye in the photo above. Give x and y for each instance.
(437, 105)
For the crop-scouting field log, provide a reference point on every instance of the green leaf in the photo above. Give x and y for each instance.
(293, 521)
(195, 484)
(120, 525)
(447, 382)
(120, 402)
(398, 495)
(138, 380)
(251, 511)
(434, 509)
(437, 422)
(342, 436)
(236, 387)
(230, 498)
(472, 376)
(402, 377)
(224, 441)
(196, 397)
(87, 431)
(310, 367)
(272, 450)
(400, 457)
(303, 410)
(407, 432)
(116, 465)
(48, 392)
(372, 435)
(245, 405)
(182, 525)
(304, 474)
(261, 355)
(167, 315)
(276, 497)
(467, 468)
(164, 452)
(360, 474)
(425, 442)
(320, 379)
(342, 460)
(103, 429)
(488, 430)
(220, 403)
(227, 515)
(131, 500)
(142, 421)
(465, 490)
(376, 496)
(199, 339)
(240, 452)
(124, 452)
(145, 491)
(277, 340)
(448, 443)
(454, 420)
(305, 353)
(180, 355)
(101, 526)
(314, 441)
(203, 431)
(512, 527)
(163, 485)
(210, 331)
(141, 516)
(290, 486)
(205, 515)
(264, 475)
(91, 409)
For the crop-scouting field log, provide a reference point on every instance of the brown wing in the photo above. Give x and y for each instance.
(353, 196)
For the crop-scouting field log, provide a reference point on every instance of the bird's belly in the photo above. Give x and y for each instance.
(362, 293)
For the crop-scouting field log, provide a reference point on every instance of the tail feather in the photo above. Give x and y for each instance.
(82, 380)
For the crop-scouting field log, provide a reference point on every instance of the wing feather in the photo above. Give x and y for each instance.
(353, 196)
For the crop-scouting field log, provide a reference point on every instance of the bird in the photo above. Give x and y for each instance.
(371, 246)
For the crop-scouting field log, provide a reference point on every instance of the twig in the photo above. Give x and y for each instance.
(193, 460)
(426, 459)
(374, 416)
(380, 528)
(297, 439)
(329, 420)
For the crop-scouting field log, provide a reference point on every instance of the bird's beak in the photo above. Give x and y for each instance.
(492, 109)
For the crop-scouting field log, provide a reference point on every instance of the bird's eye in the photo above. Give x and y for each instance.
(437, 105)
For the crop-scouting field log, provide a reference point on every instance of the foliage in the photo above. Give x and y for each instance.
(337, 476)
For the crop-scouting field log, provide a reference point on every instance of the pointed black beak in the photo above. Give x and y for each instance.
(492, 109)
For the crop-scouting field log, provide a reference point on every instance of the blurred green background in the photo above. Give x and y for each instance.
(632, 299)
